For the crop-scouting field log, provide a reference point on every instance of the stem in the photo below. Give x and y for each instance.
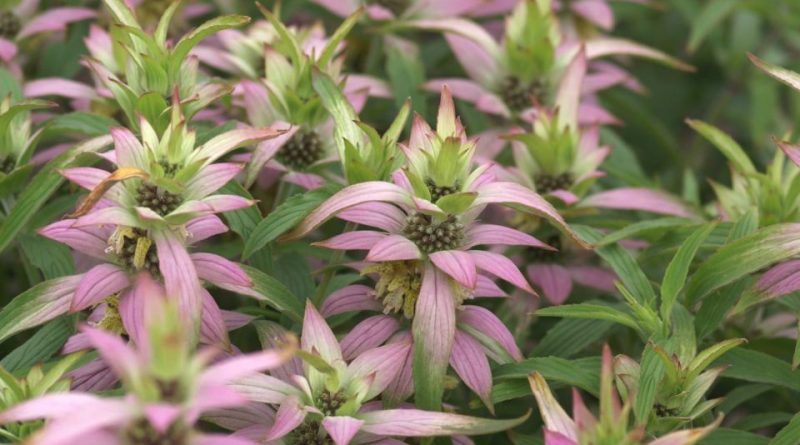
(336, 259)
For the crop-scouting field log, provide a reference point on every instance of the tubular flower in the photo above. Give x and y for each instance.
(326, 399)
(428, 229)
(168, 388)
(526, 67)
(612, 426)
(287, 95)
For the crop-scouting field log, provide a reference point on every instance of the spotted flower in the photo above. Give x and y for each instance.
(326, 398)
(428, 228)
(168, 388)
(613, 423)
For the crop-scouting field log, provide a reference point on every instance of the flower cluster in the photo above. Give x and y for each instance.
(228, 223)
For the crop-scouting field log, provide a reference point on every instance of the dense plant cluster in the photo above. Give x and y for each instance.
(332, 222)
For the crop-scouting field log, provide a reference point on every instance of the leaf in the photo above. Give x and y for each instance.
(570, 336)
(725, 144)
(650, 375)
(242, 221)
(191, 39)
(758, 367)
(788, 77)
(590, 311)
(583, 373)
(707, 20)
(44, 184)
(41, 346)
(624, 265)
(275, 293)
(52, 258)
(285, 217)
(85, 124)
(643, 227)
(790, 434)
(730, 436)
(337, 37)
(39, 304)
(742, 257)
(406, 74)
(678, 269)
(340, 110)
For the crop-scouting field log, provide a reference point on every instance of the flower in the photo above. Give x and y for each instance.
(23, 21)
(428, 234)
(287, 95)
(526, 68)
(612, 426)
(160, 199)
(167, 389)
(327, 398)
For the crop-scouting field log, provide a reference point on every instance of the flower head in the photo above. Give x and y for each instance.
(327, 398)
(168, 387)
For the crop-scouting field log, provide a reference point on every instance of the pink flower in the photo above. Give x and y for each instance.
(328, 396)
(168, 389)
(284, 96)
(509, 77)
(424, 248)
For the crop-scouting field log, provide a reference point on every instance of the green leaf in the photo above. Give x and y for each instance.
(406, 75)
(758, 367)
(742, 257)
(9, 85)
(52, 258)
(275, 293)
(678, 269)
(80, 123)
(41, 346)
(590, 311)
(624, 265)
(650, 375)
(708, 19)
(44, 184)
(570, 336)
(37, 305)
(790, 434)
(191, 40)
(583, 373)
(643, 227)
(285, 217)
(735, 154)
(340, 110)
(705, 357)
(730, 436)
(336, 38)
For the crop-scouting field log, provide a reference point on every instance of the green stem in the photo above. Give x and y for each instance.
(336, 259)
